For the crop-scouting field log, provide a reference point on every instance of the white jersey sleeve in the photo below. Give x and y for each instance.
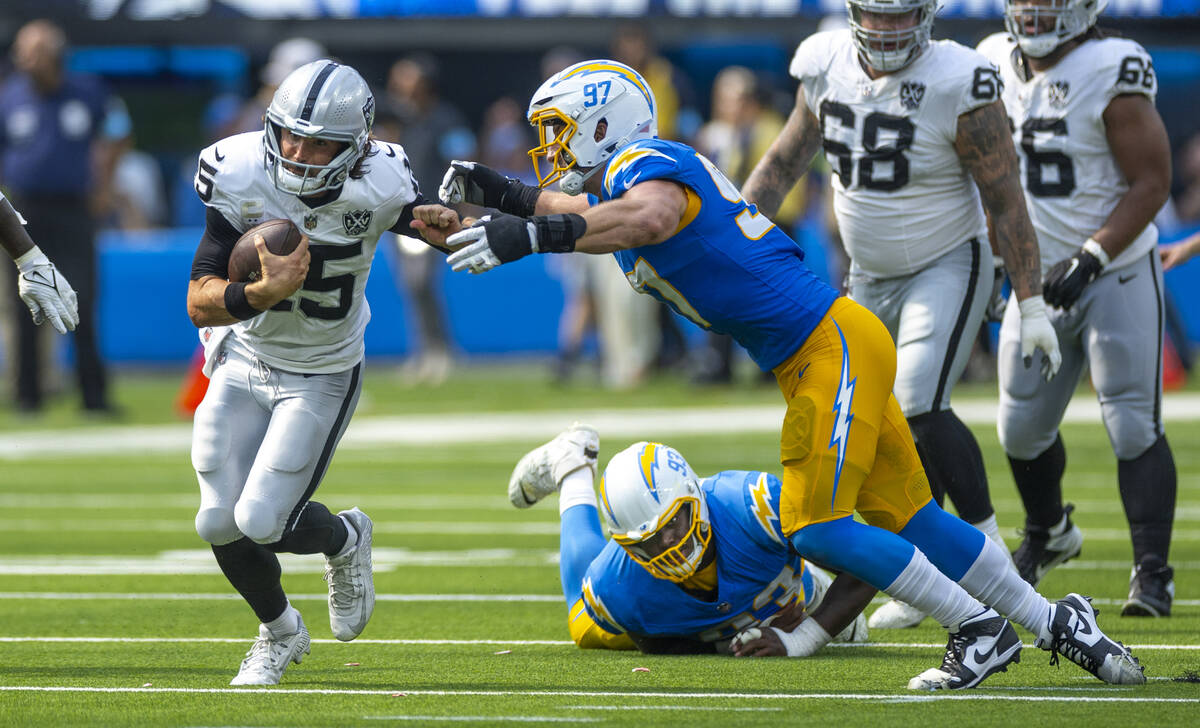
(901, 194)
(1071, 180)
(319, 328)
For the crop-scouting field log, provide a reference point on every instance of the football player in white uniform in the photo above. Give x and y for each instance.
(1097, 169)
(285, 351)
(43, 289)
(915, 133)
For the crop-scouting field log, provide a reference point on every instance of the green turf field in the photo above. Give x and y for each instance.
(112, 611)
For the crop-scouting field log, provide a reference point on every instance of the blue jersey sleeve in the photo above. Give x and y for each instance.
(639, 162)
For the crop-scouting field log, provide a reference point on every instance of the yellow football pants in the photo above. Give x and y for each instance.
(845, 444)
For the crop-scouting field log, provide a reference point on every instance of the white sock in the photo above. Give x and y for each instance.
(351, 538)
(993, 579)
(931, 591)
(576, 490)
(991, 530)
(286, 623)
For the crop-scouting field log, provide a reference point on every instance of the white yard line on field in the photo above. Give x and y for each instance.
(371, 432)
(397, 692)
(431, 598)
(564, 643)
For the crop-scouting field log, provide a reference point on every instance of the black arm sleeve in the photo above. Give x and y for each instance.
(406, 217)
(672, 645)
(216, 245)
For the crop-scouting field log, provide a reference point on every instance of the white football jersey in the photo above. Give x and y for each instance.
(1071, 180)
(319, 328)
(901, 195)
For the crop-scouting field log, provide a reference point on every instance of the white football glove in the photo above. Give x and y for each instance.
(494, 239)
(1038, 333)
(46, 292)
(454, 184)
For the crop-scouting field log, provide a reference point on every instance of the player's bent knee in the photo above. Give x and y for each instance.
(1131, 439)
(258, 520)
(217, 526)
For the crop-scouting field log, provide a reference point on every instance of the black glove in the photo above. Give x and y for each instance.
(1066, 280)
(499, 239)
(479, 185)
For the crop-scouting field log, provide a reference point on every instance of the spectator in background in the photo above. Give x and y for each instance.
(57, 134)
(433, 133)
(286, 56)
(742, 128)
(678, 120)
(136, 199)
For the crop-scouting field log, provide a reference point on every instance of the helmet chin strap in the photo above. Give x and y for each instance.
(571, 183)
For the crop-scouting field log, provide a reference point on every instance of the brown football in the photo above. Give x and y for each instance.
(281, 237)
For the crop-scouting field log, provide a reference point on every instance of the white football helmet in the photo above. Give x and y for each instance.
(655, 509)
(567, 109)
(326, 100)
(891, 50)
(1040, 26)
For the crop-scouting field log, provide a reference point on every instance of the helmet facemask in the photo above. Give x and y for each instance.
(893, 49)
(299, 178)
(1041, 26)
(554, 132)
(673, 549)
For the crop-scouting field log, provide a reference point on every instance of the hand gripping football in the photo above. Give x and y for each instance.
(281, 237)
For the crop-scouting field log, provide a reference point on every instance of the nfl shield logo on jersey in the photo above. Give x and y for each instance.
(356, 222)
(1056, 93)
(911, 93)
(310, 221)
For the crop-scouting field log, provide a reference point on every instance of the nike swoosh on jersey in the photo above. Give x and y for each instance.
(217, 153)
(1126, 279)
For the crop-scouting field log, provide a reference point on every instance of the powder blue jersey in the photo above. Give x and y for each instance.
(728, 267)
(757, 574)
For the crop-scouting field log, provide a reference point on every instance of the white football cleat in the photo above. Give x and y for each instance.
(856, 631)
(1075, 635)
(351, 582)
(541, 471)
(983, 645)
(895, 614)
(270, 655)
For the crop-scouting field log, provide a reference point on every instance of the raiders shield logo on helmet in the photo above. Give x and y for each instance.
(911, 93)
(356, 222)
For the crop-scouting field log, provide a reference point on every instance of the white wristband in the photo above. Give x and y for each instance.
(1032, 306)
(31, 258)
(805, 640)
(1097, 250)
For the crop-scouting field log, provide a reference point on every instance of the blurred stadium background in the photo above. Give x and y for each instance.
(183, 67)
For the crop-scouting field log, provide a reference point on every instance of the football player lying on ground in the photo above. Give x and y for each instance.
(43, 289)
(682, 232)
(692, 563)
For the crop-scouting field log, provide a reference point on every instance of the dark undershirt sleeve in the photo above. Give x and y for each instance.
(216, 245)
(406, 216)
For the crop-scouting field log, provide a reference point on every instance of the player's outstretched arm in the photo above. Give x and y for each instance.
(793, 634)
(786, 160)
(214, 301)
(477, 184)
(648, 213)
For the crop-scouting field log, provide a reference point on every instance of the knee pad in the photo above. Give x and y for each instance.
(217, 526)
(258, 520)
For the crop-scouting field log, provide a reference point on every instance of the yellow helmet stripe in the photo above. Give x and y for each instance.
(647, 462)
(622, 71)
(604, 499)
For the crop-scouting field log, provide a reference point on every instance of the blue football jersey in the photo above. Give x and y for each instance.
(757, 574)
(728, 268)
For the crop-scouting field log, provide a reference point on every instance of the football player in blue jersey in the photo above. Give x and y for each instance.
(692, 563)
(683, 233)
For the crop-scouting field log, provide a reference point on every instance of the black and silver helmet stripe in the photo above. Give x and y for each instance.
(314, 90)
